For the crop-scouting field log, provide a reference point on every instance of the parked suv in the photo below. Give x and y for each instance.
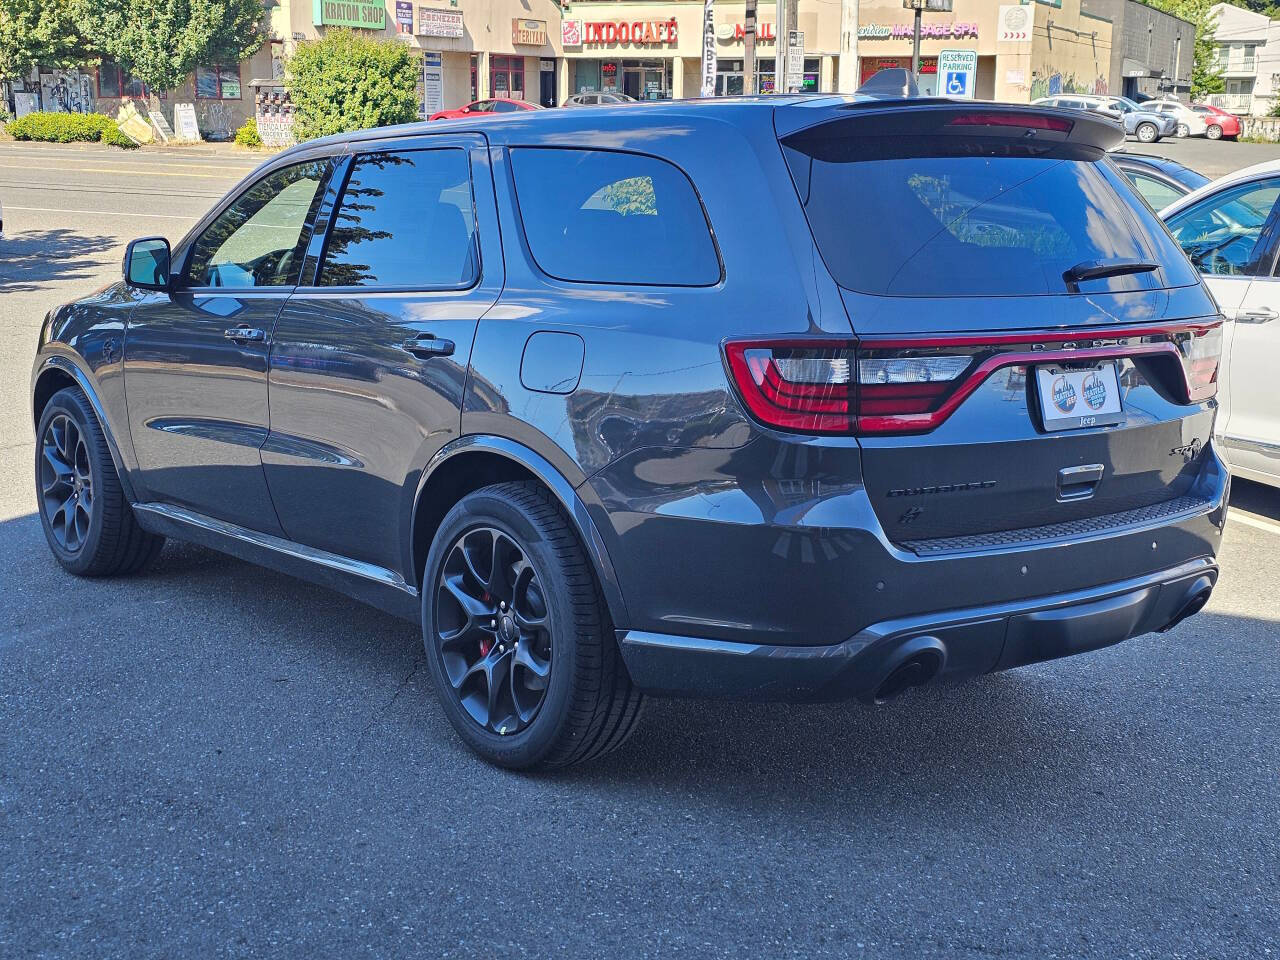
(908, 389)
(1148, 126)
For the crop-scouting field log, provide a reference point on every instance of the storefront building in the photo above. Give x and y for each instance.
(1024, 51)
(653, 51)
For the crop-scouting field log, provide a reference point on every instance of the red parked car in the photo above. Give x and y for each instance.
(492, 105)
(1221, 124)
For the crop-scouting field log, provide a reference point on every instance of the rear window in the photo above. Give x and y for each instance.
(931, 215)
(596, 216)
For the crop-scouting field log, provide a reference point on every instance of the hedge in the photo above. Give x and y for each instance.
(69, 127)
(347, 81)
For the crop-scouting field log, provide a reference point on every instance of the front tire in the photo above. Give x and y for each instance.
(1213, 132)
(87, 520)
(518, 638)
(1147, 133)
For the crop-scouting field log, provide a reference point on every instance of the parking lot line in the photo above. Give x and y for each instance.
(1253, 520)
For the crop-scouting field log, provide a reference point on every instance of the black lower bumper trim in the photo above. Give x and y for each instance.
(974, 640)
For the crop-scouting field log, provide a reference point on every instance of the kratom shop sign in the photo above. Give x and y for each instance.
(363, 14)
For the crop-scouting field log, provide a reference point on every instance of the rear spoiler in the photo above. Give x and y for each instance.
(874, 116)
(895, 83)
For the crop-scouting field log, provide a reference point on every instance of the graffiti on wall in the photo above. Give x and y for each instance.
(216, 120)
(1055, 83)
(66, 91)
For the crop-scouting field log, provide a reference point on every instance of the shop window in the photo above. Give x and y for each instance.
(114, 82)
(218, 82)
(506, 77)
(595, 216)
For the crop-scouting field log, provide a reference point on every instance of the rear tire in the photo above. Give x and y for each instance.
(509, 593)
(88, 522)
(1147, 133)
(1183, 131)
(1213, 132)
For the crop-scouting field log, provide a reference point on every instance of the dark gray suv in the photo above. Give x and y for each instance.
(801, 398)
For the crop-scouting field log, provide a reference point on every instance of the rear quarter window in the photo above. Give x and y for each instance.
(599, 216)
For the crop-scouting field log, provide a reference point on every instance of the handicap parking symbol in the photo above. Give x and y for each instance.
(957, 82)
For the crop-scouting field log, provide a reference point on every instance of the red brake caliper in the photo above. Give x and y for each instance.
(486, 644)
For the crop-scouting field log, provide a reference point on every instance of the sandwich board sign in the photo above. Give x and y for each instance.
(957, 73)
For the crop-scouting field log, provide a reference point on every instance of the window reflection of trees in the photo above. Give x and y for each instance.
(348, 226)
(239, 216)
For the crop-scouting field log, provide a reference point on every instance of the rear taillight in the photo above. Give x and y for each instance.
(1034, 121)
(912, 384)
(795, 385)
(1202, 353)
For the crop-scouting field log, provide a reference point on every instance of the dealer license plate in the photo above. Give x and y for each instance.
(1079, 398)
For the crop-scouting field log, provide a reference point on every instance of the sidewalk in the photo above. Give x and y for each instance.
(193, 150)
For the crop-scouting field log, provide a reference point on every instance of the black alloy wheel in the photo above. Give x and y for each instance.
(492, 627)
(66, 483)
(517, 634)
(89, 524)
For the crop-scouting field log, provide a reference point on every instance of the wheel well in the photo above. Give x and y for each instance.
(452, 481)
(50, 382)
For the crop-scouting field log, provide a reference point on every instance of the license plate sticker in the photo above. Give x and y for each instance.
(1079, 398)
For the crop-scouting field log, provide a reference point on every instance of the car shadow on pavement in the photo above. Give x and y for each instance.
(30, 259)
(1256, 498)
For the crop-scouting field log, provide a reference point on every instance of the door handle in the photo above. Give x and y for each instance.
(1256, 315)
(1078, 483)
(428, 345)
(244, 332)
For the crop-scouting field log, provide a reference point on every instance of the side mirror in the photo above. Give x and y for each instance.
(146, 264)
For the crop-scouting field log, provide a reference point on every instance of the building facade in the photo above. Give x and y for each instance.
(1153, 51)
(1247, 56)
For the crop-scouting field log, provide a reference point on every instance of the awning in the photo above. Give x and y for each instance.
(1136, 68)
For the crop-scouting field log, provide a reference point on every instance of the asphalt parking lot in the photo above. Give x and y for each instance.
(213, 760)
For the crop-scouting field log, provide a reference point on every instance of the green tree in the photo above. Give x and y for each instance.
(1205, 78)
(161, 42)
(45, 32)
(351, 81)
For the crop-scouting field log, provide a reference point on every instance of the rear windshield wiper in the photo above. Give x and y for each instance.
(1101, 269)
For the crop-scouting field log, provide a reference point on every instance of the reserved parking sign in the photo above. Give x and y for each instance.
(957, 73)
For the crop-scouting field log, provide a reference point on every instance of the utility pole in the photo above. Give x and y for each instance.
(749, 49)
(788, 20)
(849, 76)
(915, 47)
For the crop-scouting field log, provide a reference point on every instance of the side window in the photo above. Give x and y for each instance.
(504, 106)
(259, 240)
(482, 106)
(404, 220)
(596, 216)
(1220, 232)
(1157, 193)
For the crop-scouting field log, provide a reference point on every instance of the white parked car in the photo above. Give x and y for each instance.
(1190, 123)
(1230, 228)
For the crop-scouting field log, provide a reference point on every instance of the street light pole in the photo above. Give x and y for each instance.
(780, 47)
(848, 76)
(749, 49)
(915, 47)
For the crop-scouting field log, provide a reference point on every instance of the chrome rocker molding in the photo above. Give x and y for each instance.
(1254, 446)
(366, 582)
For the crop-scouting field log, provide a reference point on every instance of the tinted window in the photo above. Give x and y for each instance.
(258, 241)
(503, 106)
(1157, 193)
(482, 106)
(601, 217)
(923, 214)
(1220, 232)
(405, 220)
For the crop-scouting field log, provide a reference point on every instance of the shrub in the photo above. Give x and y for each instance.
(69, 127)
(347, 81)
(247, 135)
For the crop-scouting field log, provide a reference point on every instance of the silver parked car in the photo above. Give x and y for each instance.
(597, 99)
(1147, 126)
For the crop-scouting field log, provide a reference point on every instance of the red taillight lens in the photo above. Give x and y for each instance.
(1202, 354)
(803, 385)
(808, 385)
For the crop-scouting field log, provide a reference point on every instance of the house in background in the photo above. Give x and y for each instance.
(1248, 57)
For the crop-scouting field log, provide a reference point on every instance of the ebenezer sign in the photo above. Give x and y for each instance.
(365, 14)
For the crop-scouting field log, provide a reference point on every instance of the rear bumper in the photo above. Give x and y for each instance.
(957, 643)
